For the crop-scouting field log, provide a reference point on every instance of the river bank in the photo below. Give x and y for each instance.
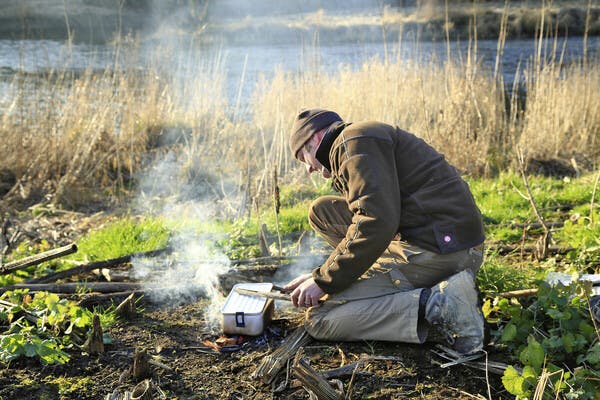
(235, 23)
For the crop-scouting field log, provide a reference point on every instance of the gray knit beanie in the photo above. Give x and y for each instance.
(307, 123)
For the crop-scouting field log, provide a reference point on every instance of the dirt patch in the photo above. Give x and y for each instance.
(173, 337)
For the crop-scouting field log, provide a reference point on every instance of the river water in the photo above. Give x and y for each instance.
(242, 65)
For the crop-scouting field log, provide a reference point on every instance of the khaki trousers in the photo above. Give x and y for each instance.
(383, 304)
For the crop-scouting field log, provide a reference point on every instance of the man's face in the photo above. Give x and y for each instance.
(307, 156)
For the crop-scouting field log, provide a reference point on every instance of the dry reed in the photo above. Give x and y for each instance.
(68, 136)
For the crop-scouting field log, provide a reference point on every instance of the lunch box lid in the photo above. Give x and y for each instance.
(236, 302)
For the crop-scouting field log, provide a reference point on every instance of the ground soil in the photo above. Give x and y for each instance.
(173, 336)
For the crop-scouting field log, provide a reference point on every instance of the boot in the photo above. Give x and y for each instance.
(453, 308)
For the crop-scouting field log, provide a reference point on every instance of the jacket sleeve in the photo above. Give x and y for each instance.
(367, 171)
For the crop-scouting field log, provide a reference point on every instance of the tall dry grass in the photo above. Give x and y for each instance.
(71, 136)
(450, 105)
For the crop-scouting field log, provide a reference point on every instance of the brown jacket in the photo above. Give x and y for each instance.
(393, 182)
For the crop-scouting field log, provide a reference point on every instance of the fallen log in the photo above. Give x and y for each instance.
(74, 287)
(97, 265)
(37, 259)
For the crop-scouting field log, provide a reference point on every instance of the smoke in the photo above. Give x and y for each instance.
(190, 272)
(186, 201)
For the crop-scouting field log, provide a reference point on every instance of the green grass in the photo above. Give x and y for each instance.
(122, 238)
(566, 200)
(557, 199)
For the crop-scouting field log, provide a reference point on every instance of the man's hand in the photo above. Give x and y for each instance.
(306, 293)
(297, 281)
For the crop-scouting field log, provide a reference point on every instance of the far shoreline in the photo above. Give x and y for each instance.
(84, 23)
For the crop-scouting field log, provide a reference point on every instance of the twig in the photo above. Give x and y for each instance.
(29, 316)
(349, 390)
(278, 296)
(277, 206)
(312, 381)
(97, 265)
(593, 197)
(37, 259)
(543, 244)
(449, 354)
(518, 293)
(74, 287)
(487, 375)
(272, 364)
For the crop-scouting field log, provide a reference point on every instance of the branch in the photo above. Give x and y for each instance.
(542, 245)
(38, 259)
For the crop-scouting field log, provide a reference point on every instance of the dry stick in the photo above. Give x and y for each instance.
(38, 258)
(96, 265)
(92, 299)
(272, 364)
(312, 381)
(262, 240)
(278, 296)
(74, 287)
(518, 293)
(5, 242)
(531, 249)
(533, 225)
(127, 308)
(277, 206)
(545, 240)
(593, 198)
(29, 316)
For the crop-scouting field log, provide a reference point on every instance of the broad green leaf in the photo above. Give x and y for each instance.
(513, 382)
(587, 330)
(509, 333)
(569, 341)
(555, 314)
(593, 355)
(30, 349)
(533, 354)
(530, 375)
(553, 343)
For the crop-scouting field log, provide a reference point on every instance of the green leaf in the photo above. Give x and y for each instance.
(533, 354)
(587, 330)
(593, 355)
(555, 314)
(30, 349)
(487, 308)
(530, 374)
(509, 333)
(513, 382)
(50, 353)
(569, 341)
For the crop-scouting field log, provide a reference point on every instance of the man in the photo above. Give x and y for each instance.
(406, 233)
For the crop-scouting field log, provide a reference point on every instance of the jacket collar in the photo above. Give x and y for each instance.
(332, 133)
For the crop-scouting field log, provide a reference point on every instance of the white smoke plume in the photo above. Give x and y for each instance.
(191, 270)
